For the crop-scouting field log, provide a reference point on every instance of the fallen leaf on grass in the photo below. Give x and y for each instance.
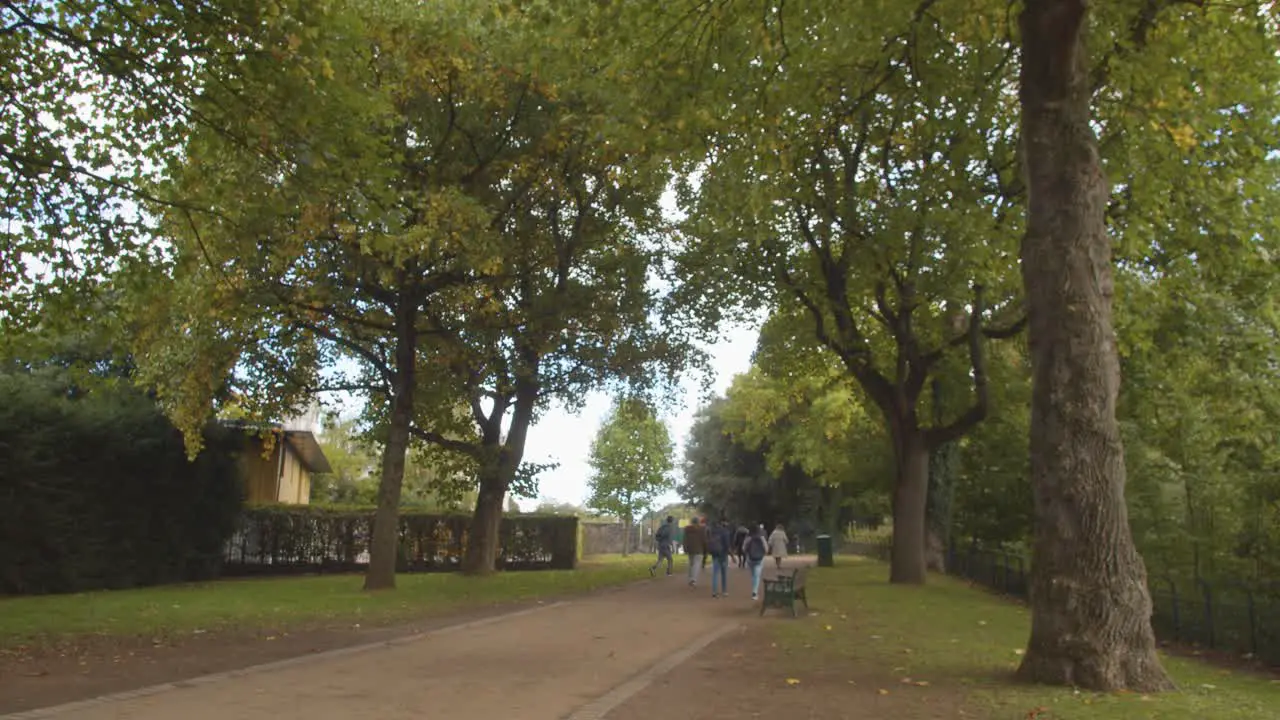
(921, 683)
(1019, 651)
(882, 691)
(793, 681)
(828, 627)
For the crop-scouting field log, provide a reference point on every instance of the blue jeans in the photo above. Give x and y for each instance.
(720, 573)
(757, 567)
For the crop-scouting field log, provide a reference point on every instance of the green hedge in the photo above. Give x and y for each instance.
(96, 491)
(285, 539)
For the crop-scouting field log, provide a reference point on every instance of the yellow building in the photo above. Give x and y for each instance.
(277, 465)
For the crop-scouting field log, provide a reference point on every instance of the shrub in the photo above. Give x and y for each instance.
(96, 490)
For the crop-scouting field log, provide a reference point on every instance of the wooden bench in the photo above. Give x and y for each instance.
(785, 590)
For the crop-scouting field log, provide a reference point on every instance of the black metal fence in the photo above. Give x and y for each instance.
(1221, 616)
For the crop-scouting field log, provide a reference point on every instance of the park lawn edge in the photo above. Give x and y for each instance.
(949, 637)
(258, 605)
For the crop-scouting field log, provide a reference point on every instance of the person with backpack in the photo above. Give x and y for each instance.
(755, 549)
(719, 541)
(665, 537)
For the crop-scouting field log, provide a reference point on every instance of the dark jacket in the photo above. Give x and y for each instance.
(695, 540)
(725, 536)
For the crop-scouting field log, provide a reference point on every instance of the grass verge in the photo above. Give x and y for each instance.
(947, 639)
(296, 603)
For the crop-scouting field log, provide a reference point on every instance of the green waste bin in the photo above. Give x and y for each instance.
(826, 556)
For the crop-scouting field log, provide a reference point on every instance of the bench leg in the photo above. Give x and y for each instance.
(805, 599)
(793, 607)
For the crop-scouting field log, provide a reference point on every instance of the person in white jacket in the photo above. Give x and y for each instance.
(778, 545)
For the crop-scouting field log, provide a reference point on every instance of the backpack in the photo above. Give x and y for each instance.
(756, 549)
(716, 543)
(664, 533)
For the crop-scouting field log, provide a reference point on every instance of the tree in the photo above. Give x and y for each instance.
(97, 100)
(630, 462)
(871, 200)
(1091, 611)
(1090, 605)
(365, 207)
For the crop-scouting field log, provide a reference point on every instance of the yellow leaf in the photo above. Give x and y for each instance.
(793, 681)
(1184, 137)
(882, 691)
(828, 627)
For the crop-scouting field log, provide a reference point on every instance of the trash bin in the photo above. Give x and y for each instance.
(825, 554)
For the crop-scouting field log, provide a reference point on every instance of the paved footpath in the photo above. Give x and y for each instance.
(573, 660)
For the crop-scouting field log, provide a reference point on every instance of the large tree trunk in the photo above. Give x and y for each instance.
(384, 546)
(910, 496)
(483, 537)
(495, 479)
(1090, 609)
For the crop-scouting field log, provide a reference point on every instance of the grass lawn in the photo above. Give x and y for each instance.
(289, 603)
(947, 638)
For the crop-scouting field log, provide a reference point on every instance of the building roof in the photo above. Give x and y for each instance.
(304, 443)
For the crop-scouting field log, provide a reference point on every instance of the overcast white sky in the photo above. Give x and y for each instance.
(566, 438)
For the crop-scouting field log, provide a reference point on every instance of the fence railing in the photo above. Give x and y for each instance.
(281, 540)
(1228, 617)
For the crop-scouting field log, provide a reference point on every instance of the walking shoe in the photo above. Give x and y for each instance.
(754, 597)
(713, 595)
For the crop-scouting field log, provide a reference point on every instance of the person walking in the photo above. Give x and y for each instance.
(778, 544)
(695, 546)
(739, 539)
(754, 550)
(719, 543)
(665, 537)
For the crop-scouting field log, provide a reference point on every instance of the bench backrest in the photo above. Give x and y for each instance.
(801, 574)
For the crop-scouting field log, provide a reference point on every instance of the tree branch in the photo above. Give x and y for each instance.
(977, 412)
(459, 446)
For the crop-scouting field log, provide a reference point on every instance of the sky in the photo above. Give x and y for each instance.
(566, 438)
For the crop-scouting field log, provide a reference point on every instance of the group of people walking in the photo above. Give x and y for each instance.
(721, 545)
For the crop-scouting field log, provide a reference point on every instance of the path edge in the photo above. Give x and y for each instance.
(599, 708)
(52, 711)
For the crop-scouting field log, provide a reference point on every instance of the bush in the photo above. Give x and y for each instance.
(96, 490)
(285, 539)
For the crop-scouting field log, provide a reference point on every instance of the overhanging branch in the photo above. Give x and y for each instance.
(978, 411)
